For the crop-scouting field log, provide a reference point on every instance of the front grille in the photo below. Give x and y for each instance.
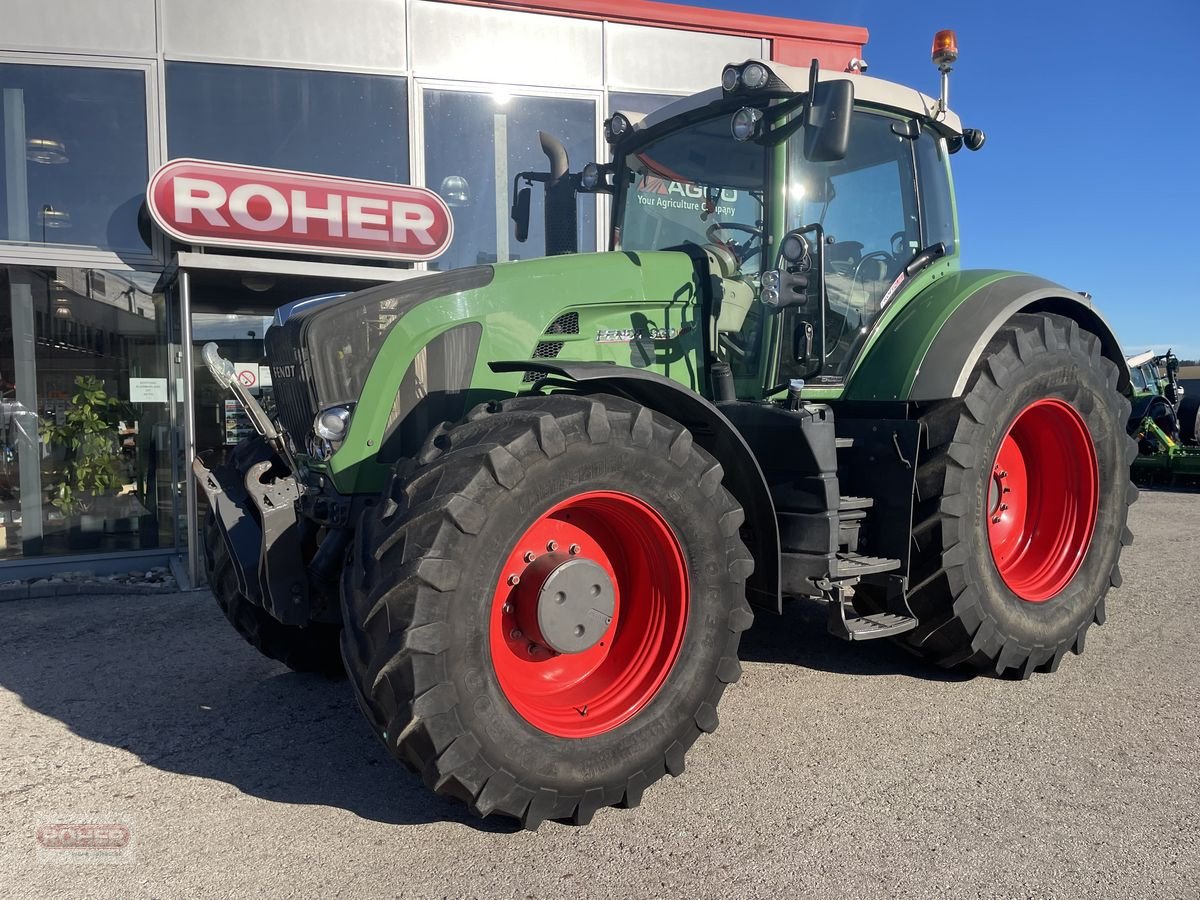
(294, 403)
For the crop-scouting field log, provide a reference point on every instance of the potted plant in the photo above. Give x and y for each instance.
(88, 436)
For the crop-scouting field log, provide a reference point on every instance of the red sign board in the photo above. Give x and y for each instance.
(228, 205)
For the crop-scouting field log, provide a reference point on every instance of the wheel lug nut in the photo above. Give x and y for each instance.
(515, 634)
(573, 549)
(529, 556)
(533, 648)
(1003, 474)
(1004, 506)
(508, 608)
(995, 520)
(551, 546)
(514, 580)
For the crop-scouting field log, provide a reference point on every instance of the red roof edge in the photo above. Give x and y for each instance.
(689, 18)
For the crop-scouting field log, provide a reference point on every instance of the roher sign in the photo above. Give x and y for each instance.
(220, 204)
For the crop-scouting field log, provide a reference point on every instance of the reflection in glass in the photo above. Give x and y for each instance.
(481, 142)
(335, 123)
(629, 102)
(72, 155)
(84, 420)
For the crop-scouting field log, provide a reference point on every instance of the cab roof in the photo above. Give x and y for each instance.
(867, 90)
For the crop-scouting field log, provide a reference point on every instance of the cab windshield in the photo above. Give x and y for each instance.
(696, 185)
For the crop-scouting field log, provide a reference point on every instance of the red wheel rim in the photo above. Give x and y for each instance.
(1042, 500)
(577, 695)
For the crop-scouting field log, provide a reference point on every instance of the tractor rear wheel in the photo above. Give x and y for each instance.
(1189, 419)
(541, 617)
(1022, 501)
(309, 648)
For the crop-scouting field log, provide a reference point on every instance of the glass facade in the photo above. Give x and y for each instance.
(477, 143)
(85, 421)
(330, 122)
(73, 159)
(96, 410)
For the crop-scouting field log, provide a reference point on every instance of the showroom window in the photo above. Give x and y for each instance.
(476, 143)
(85, 457)
(73, 160)
(627, 101)
(335, 123)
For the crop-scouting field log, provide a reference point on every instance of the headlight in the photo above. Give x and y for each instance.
(745, 123)
(589, 177)
(332, 424)
(616, 127)
(755, 76)
(729, 78)
(769, 296)
(794, 248)
(770, 279)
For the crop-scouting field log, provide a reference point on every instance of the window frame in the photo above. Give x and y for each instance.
(82, 256)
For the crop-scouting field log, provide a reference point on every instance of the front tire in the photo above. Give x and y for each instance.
(455, 599)
(1022, 503)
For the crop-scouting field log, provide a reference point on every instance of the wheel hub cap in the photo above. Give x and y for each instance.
(589, 614)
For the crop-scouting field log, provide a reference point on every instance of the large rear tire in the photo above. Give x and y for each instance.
(309, 648)
(1022, 501)
(473, 659)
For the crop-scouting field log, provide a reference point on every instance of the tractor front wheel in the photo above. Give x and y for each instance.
(1022, 500)
(541, 617)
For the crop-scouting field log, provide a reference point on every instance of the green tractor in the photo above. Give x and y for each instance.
(1164, 421)
(531, 505)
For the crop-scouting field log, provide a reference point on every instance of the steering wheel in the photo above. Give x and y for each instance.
(888, 258)
(742, 251)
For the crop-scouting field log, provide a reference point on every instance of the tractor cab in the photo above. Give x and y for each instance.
(809, 198)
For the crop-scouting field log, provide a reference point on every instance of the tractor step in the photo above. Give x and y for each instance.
(845, 624)
(848, 503)
(867, 628)
(843, 443)
(853, 565)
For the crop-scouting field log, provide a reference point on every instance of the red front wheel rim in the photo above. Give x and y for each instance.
(582, 694)
(1043, 500)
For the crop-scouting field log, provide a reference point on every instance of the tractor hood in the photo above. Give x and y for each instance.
(416, 352)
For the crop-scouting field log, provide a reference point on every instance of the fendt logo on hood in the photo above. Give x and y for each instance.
(223, 204)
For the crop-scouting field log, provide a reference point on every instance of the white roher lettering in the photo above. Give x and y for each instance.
(363, 215)
(331, 213)
(199, 195)
(414, 218)
(239, 201)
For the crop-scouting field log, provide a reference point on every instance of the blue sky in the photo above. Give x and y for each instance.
(1090, 174)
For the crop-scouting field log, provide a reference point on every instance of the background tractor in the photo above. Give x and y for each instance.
(531, 505)
(1163, 419)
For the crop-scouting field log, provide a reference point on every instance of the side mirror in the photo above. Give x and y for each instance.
(520, 214)
(827, 131)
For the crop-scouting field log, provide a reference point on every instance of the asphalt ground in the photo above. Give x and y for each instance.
(839, 770)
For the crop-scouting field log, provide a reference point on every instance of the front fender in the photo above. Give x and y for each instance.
(711, 430)
(929, 348)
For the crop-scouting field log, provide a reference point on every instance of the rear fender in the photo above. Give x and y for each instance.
(712, 431)
(930, 348)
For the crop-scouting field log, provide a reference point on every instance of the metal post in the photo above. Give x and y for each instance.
(189, 429)
(25, 415)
